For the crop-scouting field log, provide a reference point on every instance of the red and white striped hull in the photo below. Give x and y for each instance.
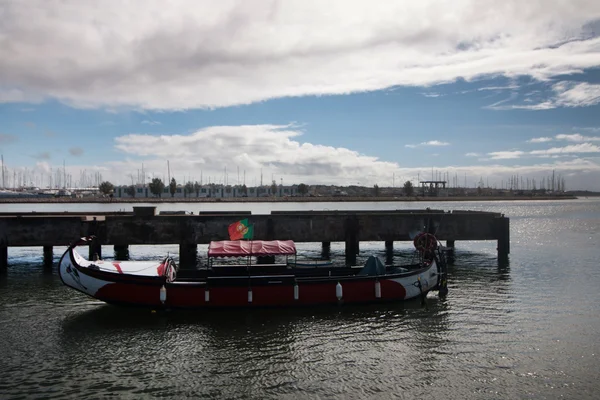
(158, 291)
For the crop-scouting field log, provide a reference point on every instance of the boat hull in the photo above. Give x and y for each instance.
(303, 293)
(243, 291)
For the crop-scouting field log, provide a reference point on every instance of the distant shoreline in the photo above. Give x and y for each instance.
(339, 199)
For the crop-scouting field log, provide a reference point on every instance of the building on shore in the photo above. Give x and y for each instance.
(209, 191)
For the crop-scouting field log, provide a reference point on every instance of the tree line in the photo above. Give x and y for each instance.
(157, 188)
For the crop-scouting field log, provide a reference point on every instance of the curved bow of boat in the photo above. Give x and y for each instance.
(114, 281)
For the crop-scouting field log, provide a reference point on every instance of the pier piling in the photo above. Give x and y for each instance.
(389, 252)
(351, 232)
(121, 252)
(450, 251)
(95, 250)
(3, 255)
(389, 246)
(351, 250)
(188, 253)
(325, 250)
(502, 228)
(48, 256)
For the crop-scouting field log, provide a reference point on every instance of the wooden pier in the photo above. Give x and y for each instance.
(144, 227)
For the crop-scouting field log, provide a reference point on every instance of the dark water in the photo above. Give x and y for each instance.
(529, 329)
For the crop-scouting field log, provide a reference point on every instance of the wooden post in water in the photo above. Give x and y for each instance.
(48, 257)
(93, 230)
(450, 251)
(188, 254)
(95, 250)
(351, 243)
(3, 255)
(351, 249)
(325, 250)
(389, 252)
(389, 246)
(121, 252)
(502, 230)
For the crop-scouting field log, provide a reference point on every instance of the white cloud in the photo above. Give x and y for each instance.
(431, 94)
(429, 143)
(564, 94)
(546, 105)
(570, 94)
(435, 143)
(505, 155)
(150, 122)
(576, 137)
(271, 149)
(574, 148)
(473, 155)
(498, 88)
(540, 140)
(566, 150)
(195, 54)
(572, 137)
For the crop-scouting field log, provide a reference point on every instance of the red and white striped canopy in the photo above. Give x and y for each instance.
(237, 248)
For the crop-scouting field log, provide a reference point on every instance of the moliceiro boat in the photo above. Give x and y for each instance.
(243, 274)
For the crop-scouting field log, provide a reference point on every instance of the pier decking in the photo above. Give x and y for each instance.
(143, 227)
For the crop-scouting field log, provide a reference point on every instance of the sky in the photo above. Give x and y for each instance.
(315, 92)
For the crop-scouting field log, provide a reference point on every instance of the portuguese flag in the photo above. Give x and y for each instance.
(241, 230)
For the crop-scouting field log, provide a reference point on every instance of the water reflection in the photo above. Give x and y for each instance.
(277, 350)
(106, 318)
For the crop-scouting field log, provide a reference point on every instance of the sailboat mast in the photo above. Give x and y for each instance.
(168, 171)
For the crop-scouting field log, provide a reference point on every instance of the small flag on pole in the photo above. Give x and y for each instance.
(241, 230)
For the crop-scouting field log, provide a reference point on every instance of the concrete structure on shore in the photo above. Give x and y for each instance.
(144, 227)
(216, 191)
